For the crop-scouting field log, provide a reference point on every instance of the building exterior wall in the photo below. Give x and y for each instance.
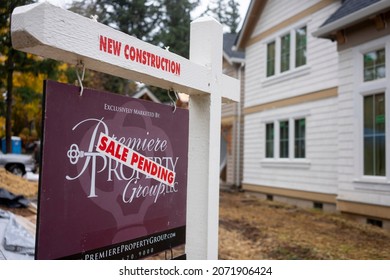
(232, 128)
(319, 73)
(328, 92)
(230, 109)
(281, 14)
(316, 172)
(360, 194)
(308, 91)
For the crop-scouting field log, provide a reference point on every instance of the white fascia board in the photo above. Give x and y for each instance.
(244, 25)
(232, 60)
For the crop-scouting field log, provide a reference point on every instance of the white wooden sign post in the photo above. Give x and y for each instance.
(52, 32)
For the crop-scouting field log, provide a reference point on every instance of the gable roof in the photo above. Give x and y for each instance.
(229, 53)
(146, 92)
(351, 12)
(252, 16)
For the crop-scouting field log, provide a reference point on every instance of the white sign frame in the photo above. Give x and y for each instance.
(51, 32)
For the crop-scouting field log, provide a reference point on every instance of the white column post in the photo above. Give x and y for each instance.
(204, 144)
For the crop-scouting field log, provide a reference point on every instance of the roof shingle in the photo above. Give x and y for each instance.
(349, 7)
(228, 42)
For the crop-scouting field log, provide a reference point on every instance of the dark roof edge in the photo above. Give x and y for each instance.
(244, 26)
(326, 30)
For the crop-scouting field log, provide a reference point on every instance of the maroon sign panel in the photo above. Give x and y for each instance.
(113, 181)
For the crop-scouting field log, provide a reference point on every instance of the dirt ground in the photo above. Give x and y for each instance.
(258, 229)
(17, 185)
(255, 229)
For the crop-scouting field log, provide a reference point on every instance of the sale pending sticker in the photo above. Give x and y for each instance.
(124, 155)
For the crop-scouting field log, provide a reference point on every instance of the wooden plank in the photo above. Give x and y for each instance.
(51, 32)
(204, 142)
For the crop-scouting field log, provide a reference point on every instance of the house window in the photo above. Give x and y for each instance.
(269, 140)
(286, 139)
(300, 46)
(285, 53)
(283, 141)
(374, 135)
(299, 141)
(271, 59)
(374, 65)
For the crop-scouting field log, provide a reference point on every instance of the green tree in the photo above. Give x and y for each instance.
(175, 25)
(138, 18)
(227, 13)
(12, 62)
(233, 18)
(87, 8)
(7, 68)
(174, 32)
(216, 9)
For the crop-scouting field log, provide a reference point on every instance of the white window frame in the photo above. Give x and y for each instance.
(265, 141)
(291, 161)
(275, 60)
(294, 33)
(288, 121)
(362, 89)
(293, 138)
(293, 70)
(279, 51)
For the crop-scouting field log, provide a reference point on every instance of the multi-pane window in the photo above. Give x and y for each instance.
(271, 59)
(300, 46)
(285, 53)
(374, 118)
(299, 138)
(280, 136)
(269, 140)
(374, 65)
(283, 140)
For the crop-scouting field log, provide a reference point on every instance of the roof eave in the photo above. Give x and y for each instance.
(238, 60)
(329, 29)
(244, 27)
(148, 93)
(233, 60)
(252, 15)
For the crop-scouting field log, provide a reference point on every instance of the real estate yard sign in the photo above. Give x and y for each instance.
(52, 32)
(114, 176)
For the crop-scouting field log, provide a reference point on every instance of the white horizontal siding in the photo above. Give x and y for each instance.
(321, 150)
(320, 71)
(350, 186)
(228, 110)
(277, 11)
(346, 137)
(252, 78)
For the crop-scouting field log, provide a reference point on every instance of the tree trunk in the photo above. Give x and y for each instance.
(8, 116)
